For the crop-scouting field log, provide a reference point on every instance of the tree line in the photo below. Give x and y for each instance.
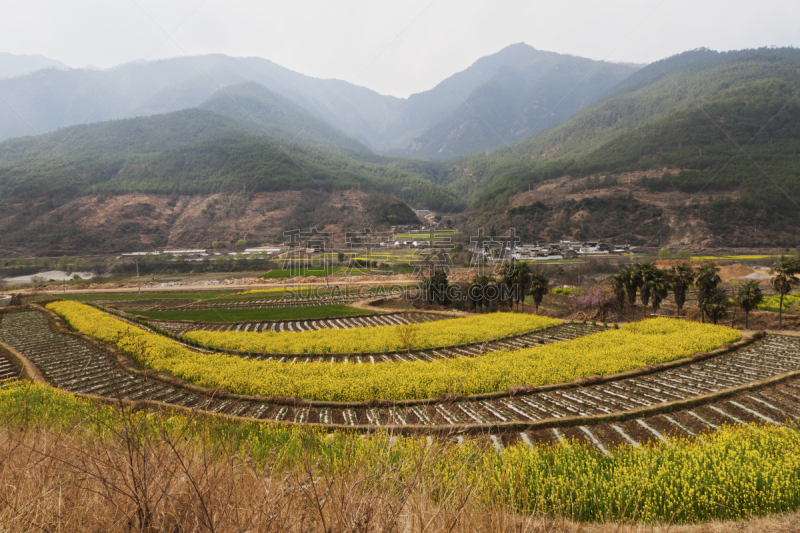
(638, 281)
(653, 285)
(486, 293)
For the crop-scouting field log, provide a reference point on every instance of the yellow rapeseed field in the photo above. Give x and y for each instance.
(652, 341)
(733, 473)
(262, 291)
(378, 338)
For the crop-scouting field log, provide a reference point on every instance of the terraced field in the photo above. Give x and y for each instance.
(7, 369)
(190, 305)
(777, 405)
(142, 305)
(300, 325)
(560, 333)
(74, 365)
(274, 303)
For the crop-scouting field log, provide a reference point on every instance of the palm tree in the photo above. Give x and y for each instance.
(659, 288)
(540, 286)
(523, 281)
(748, 297)
(618, 286)
(435, 288)
(706, 281)
(682, 278)
(508, 283)
(631, 275)
(476, 292)
(785, 271)
(715, 304)
(516, 279)
(647, 275)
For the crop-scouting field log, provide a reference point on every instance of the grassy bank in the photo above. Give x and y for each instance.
(69, 461)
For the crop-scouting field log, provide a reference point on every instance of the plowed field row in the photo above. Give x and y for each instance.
(76, 366)
(141, 305)
(274, 302)
(299, 325)
(190, 305)
(563, 332)
(777, 404)
(7, 370)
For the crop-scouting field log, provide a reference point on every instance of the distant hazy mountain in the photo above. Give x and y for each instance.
(490, 94)
(527, 90)
(250, 105)
(50, 99)
(424, 110)
(16, 65)
(263, 111)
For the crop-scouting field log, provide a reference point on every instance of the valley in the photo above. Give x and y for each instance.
(684, 169)
(400, 266)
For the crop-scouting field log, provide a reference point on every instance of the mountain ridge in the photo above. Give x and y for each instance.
(12, 65)
(193, 151)
(47, 100)
(519, 100)
(705, 138)
(263, 111)
(187, 178)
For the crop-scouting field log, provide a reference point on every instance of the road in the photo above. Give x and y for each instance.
(222, 286)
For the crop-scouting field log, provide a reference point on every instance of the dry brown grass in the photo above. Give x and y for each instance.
(134, 480)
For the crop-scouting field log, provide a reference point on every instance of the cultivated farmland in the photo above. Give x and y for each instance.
(539, 396)
(688, 400)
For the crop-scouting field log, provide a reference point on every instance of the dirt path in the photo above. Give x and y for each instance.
(366, 305)
(211, 288)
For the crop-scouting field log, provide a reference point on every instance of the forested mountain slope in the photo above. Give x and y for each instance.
(56, 189)
(537, 91)
(718, 132)
(263, 111)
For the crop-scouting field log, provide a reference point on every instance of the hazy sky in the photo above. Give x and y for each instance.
(398, 47)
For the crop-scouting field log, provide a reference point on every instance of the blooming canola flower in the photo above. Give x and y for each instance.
(652, 341)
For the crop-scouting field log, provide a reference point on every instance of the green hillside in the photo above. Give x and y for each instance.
(191, 152)
(132, 136)
(263, 111)
(728, 121)
(542, 90)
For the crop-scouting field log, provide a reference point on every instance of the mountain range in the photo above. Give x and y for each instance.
(12, 65)
(703, 146)
(698, 149)
(475, 108)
